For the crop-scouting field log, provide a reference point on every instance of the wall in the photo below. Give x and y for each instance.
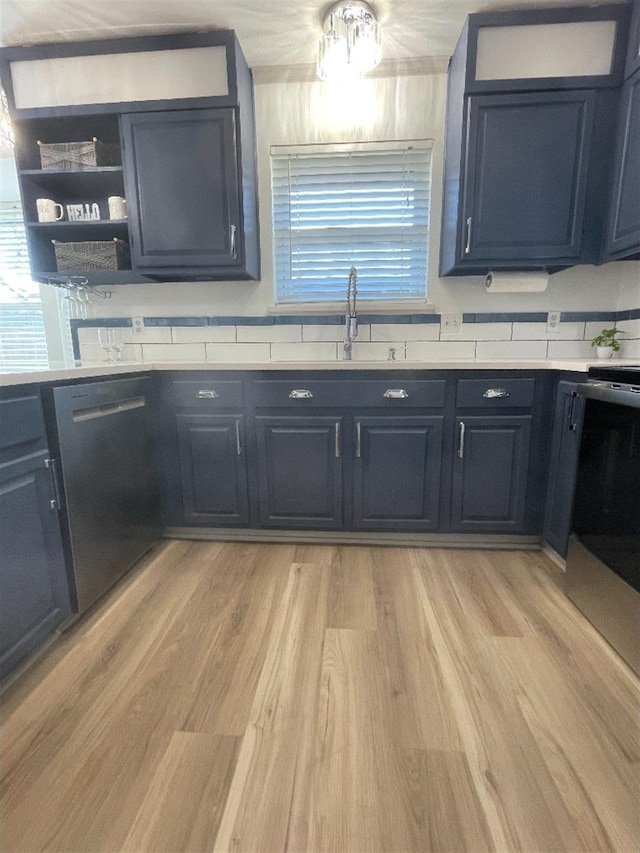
(403, 107)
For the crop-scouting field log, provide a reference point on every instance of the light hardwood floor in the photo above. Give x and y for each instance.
(265, 698)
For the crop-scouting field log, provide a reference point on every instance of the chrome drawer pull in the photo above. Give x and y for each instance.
(300, 394)
(238, 441)
(337, 439)
(358, 440)
(207, 395)
(496, 393)
(461, 442)
(395, 394)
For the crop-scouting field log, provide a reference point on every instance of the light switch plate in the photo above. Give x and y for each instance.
(553, 322)
(137, 325)
(451, 324)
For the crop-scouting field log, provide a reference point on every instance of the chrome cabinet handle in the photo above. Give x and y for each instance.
(395, 394)
(358, 440)
(496, 393)
(461, 443)
(207, 395)
(238, 441)
(56, 501)
(467, 248)
(337, 439)
(300, 394)
(234, 252)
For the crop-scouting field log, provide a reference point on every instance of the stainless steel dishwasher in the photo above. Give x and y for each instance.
(110, 494)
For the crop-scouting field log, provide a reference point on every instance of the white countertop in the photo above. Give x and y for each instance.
(57, 372)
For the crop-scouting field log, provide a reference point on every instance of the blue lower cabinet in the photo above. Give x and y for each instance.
(563, 466)
(34, 594)
(397, 472)
(300, 471)
(490, 467)
(213, 469)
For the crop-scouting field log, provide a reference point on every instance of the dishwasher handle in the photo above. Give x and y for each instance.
(106, 409)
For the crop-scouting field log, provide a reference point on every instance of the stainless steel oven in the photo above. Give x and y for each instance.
(603, 563)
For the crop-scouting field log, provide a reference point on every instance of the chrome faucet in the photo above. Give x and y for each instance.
(351, 316)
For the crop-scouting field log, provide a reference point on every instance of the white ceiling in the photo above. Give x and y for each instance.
(271, 32)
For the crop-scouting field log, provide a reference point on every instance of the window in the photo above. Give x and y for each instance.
(23, 344)
(337, 206)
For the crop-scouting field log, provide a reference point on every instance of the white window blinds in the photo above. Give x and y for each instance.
(23, 344)
(338, 206)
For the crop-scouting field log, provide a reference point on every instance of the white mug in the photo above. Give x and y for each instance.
(47, 210)
(117, 207)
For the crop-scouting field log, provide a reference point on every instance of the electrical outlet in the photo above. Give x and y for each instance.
(137, 325)
(451, 324)
(553, 322)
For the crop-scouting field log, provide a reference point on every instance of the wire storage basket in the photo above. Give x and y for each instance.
(76, 155)
(92, 255)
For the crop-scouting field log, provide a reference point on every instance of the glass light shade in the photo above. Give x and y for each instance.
(352, 44)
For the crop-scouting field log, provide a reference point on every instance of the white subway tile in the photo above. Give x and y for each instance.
(173, 352)
(481, 332)
(631, 329)
(376, 351)
(513, 350)
(441, 350)
(571, 349)
(630, 348)
(237, 353)
(304, 352)
(405, 332)
(87, 336)
(94, 352)
(538, 332)
(150, 335)
(335, 334)
(269, 334)
(203, 334)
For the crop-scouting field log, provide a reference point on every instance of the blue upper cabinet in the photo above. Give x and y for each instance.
(173, 121)
(182, 190)
(623, 225)
(531, 103)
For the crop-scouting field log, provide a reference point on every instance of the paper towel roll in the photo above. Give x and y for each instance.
(517, 282)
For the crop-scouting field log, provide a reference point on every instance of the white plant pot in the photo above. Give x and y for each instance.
(604, 352)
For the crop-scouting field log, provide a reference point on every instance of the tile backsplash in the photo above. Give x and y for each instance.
(319, 337)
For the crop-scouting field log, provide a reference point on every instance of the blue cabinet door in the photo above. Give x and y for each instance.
(34, 594)
(526, 176)
(623, 225)
(396, 477)
(563, 466)
(490, 474)
(300, 471)
(182, 189)
(213, 469)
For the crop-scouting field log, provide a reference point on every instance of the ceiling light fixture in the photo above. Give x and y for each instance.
(351, 43)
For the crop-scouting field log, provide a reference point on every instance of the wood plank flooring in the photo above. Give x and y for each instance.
(263, 698)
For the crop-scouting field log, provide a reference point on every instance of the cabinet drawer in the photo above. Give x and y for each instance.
(207, 394)
(371, 393)
(494, 393)
(21, 421)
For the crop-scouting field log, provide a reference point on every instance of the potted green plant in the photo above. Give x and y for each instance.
(606, 343)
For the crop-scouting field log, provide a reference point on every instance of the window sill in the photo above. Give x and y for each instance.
(410, 306)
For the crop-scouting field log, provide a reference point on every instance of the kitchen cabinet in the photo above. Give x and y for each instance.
(526, 179)
(623, 224)
(489, 488)
(183, 190)
(34, 597)
(563, 464)
(213, 469)
(300, 471)
(175, 116)
(397, 472)
(528, 142)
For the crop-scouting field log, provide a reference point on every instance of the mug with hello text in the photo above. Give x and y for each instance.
(117, 207)
(47, 208)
